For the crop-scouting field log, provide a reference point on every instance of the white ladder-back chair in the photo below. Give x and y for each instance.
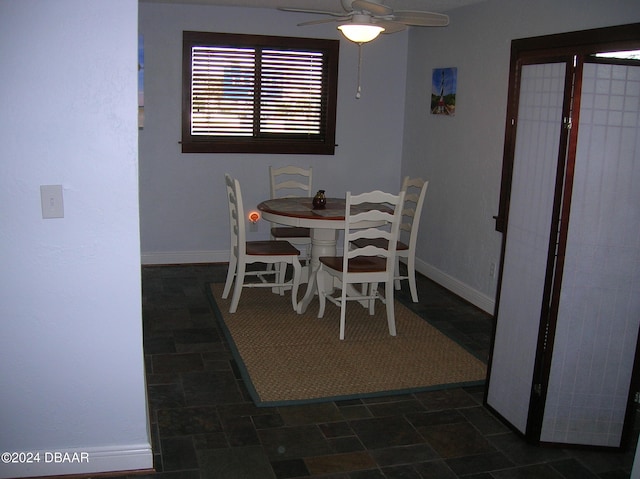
(415, 190)
(369, 265)
(286, 182)
(245, 252)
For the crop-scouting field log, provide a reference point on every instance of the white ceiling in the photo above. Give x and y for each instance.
(329, 5)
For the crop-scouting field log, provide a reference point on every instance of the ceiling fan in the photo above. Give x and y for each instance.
(364, 20)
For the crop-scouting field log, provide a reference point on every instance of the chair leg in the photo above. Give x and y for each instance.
(282, 271)
(322, 293)
(391, 319)
(411, 266)
(343, 310)
(231, 272)
(372, 299)
(238, 288)
(307, 257)
(297, 273)
(397, 273)
(311, 287)
(270, 266)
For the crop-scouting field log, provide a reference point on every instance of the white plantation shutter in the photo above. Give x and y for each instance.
(258, 94)
(291, 92)
(222, 91)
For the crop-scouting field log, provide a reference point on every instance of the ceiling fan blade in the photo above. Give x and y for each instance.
(317, 12)
(389, 26)
(324, 20)
(421, 19)
(371, 7)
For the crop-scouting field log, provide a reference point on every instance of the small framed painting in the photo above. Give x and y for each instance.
(443, 91)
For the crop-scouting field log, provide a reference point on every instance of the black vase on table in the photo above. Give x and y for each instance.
(319, 201)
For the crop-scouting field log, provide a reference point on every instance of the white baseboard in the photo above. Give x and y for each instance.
(454, 285)
(56, 462)
(185, 257)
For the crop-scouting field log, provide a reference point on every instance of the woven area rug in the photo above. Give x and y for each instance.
(286, 358)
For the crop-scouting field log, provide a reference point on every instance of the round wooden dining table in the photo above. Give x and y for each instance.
(323, 223)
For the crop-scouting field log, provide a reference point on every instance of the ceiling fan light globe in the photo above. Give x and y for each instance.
(360, 33)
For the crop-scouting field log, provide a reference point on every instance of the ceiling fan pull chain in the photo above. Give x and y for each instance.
(359, 69)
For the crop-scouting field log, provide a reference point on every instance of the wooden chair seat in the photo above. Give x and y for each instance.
(271, 248)
(378, 243)
(362, 264)
(286, 232)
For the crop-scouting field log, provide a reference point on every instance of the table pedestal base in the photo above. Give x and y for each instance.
(323, 243)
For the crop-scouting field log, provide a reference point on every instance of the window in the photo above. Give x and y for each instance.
(258, 94)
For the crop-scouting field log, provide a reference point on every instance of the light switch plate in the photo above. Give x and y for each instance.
(51, 199)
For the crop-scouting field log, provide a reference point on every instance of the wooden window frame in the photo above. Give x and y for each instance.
(285, 143)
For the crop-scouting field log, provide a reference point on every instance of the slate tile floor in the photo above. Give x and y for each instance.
(205, 426)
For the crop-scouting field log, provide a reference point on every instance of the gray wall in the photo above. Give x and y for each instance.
(72, 376)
